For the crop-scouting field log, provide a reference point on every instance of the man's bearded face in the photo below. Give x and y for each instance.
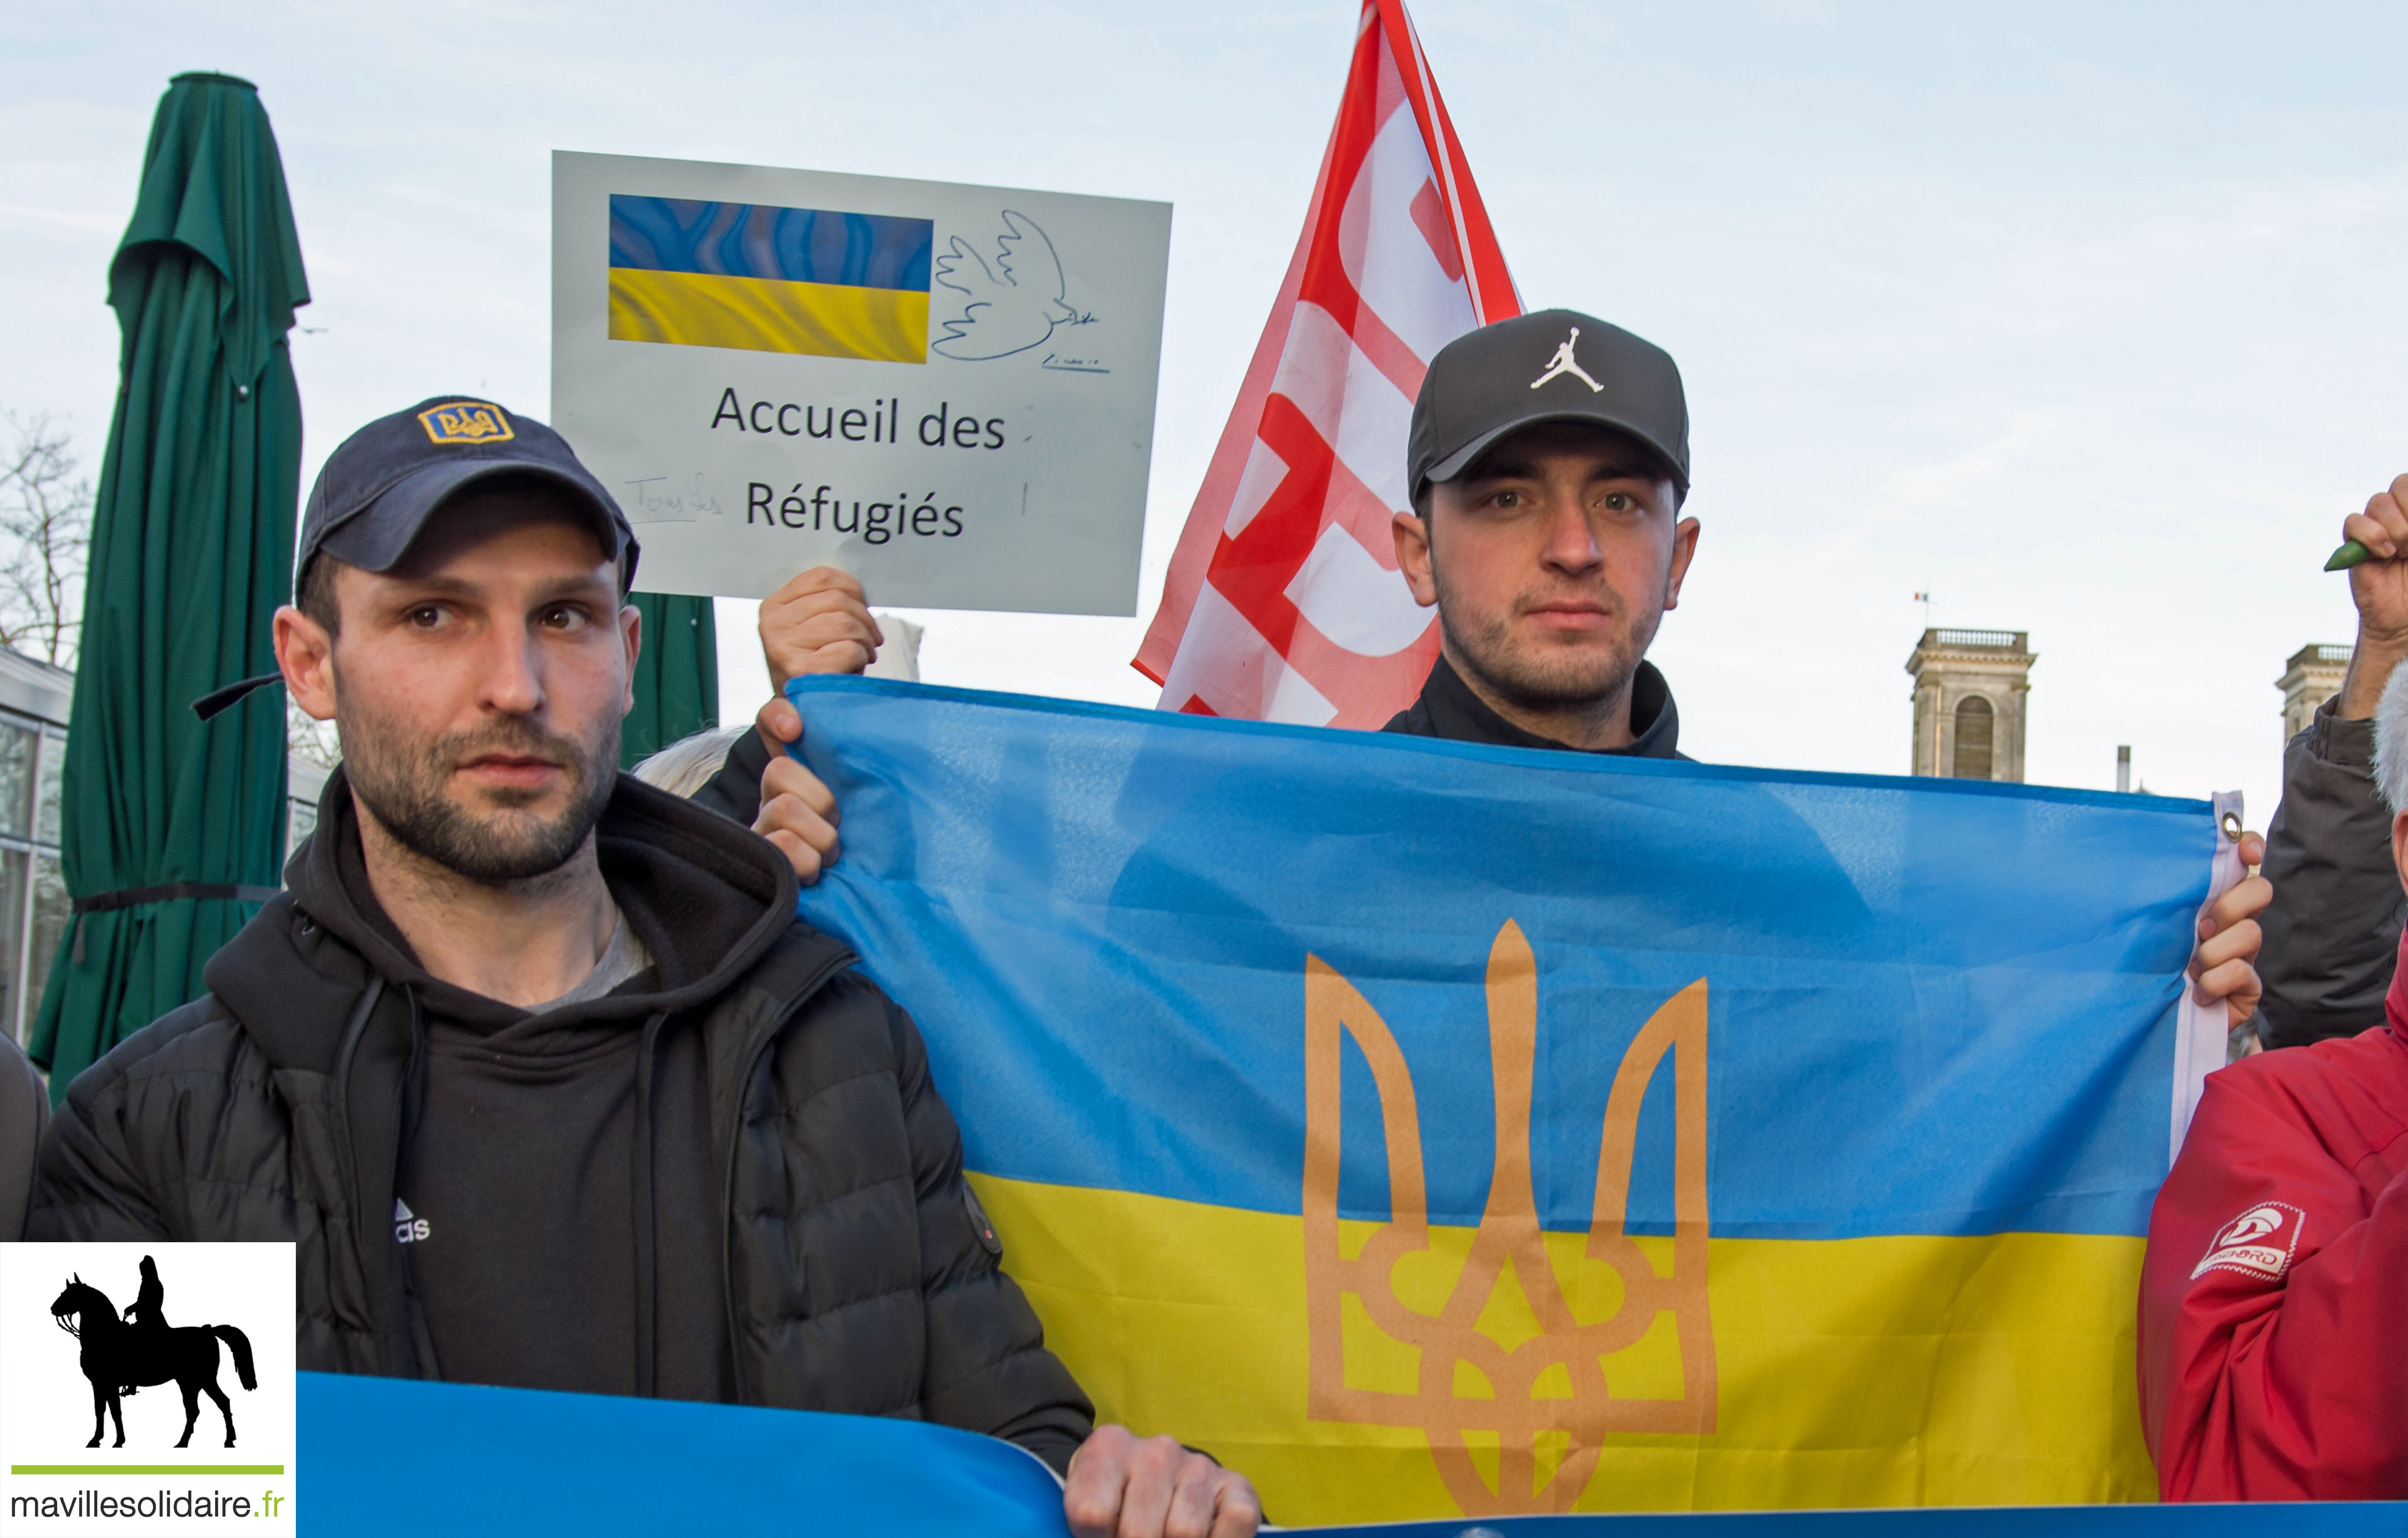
(479, 688)
(488, 834)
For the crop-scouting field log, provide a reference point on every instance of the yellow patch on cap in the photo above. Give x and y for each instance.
(467, 422)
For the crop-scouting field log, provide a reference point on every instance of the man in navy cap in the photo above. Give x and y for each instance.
(536, 1063)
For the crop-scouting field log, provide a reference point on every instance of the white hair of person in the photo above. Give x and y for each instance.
(686, 765)
(2391, 741)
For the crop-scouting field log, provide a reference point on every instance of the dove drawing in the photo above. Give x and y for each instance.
(1009, 304)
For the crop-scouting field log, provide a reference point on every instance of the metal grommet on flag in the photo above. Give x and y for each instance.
(2230, 823)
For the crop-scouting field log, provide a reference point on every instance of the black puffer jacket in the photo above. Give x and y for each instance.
(2332, 932)
(856, 1276)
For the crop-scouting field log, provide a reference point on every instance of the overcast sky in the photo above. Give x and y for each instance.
(2086, 319)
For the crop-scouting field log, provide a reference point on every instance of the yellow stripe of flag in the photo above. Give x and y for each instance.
(1982, 1370)
(768, 314)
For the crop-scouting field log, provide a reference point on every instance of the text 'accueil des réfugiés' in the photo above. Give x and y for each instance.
(881, 421)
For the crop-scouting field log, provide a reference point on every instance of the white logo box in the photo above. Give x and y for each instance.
(217, 1299)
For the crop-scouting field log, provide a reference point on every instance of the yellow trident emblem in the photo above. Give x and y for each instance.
(466, 421)
(1526, 1378)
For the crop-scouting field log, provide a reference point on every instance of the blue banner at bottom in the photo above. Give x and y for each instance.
(385, 1456)
(389, 1456)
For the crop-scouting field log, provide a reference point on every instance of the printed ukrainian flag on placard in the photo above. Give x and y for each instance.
(741, 274)
(1428, 1129)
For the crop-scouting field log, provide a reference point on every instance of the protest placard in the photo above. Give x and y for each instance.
(946, 389)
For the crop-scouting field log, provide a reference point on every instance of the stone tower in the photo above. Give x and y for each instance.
(2311, 676)
(1969, 688)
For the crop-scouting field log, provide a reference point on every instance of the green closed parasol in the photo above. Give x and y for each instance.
(173, 828)
(677, 675)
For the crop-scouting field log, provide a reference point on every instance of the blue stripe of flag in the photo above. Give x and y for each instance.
(757, 240)
(1936, 1007)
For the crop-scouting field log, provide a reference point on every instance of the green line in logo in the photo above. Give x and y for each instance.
(146, 1468)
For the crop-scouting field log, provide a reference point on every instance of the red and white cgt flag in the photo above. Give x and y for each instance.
(1283, 602)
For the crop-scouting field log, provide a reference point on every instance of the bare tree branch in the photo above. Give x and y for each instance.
(312, 741)
(46, 521)
(45, 541)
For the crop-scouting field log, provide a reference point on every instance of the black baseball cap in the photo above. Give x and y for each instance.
(1550, 366)
(381, 484)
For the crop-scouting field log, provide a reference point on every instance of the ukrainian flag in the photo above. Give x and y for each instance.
(741, 274)
(1427, 1129)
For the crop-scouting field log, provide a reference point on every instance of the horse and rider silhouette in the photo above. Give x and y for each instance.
(118, 1355)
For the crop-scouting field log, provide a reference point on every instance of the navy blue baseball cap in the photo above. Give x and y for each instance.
(379, 487)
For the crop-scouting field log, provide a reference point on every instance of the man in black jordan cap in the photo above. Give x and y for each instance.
(1548, 460)
(534, 1062)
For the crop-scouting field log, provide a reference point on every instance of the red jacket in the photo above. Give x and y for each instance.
(2273, 1328)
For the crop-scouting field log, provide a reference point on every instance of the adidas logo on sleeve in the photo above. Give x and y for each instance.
(408, 1227)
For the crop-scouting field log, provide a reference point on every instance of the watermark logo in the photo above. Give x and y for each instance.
(184, 1356)
(1541, 1402)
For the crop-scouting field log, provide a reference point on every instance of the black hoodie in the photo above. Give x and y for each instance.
(729, 1179)
(517, 1278)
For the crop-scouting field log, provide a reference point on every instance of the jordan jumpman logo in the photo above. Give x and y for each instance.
(1564, 362)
